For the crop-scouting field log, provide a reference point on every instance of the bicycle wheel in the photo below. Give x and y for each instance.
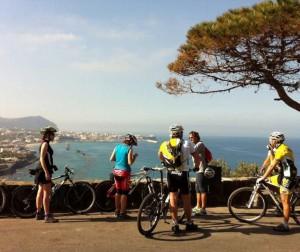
(80, 198)
(23, 201)
(296, 211)
(105, 200)
(2, 199)
(238, 205)
(149, 214)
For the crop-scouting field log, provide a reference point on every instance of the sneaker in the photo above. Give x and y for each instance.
(281, 228)
(117, 214)
(123, 216)
(50, 219)
(191, 227)
(39, 216)
(175, 229)
(196, 210)
(203, 211)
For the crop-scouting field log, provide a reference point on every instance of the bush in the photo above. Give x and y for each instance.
(226, 170)
(245, 170)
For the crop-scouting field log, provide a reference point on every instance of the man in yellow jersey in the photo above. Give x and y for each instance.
(280, 155)
(175, 154)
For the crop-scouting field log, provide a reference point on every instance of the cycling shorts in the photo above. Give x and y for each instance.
(122, 181)
(201, 185)
(286, 185)
(178, 181)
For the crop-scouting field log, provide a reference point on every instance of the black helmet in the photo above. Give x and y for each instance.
(130, 139)
(48, 129)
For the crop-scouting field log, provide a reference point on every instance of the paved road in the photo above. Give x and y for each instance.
(101, 232)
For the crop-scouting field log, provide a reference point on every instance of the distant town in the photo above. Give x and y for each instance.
(16, 145)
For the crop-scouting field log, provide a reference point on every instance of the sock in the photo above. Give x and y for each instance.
(285, 224)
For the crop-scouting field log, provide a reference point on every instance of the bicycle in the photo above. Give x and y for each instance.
(249, 204)
(154, 206)
(79, 197)
(105, 191)
(2, 198)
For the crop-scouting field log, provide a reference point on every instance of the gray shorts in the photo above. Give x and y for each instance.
(201, 185)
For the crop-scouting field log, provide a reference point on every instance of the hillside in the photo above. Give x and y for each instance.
(30, 122)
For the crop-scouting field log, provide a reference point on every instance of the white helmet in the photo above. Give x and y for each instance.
(209, 173)
(176, 130)
(278, 136)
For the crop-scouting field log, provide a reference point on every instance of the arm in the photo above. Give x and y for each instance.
(43, 154)
(270, 168)
(131, 156)
(113, 156)
(265, 164)
(196, 159)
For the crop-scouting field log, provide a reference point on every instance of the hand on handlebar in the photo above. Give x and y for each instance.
(259, 180)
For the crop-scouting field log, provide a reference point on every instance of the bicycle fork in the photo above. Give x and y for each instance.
(252, 197)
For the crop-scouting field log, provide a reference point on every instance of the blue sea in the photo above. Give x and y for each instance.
(90, 160)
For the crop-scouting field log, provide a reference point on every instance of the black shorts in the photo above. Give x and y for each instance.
(40, 177)
(178, 182)
(201, 184)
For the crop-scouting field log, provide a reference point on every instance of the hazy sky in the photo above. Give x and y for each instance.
(93, 65)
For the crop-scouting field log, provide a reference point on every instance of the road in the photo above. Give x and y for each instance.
(102, 232)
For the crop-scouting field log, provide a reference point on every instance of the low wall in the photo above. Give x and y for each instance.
(217, 196)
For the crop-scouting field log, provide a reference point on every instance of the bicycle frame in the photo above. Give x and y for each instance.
(265, 186)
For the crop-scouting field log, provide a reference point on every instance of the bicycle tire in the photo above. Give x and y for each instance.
(2, 199)
(238, 200)
(295, 214)
(148, 214)
(80, 197)
(103, 202)
(23, 201)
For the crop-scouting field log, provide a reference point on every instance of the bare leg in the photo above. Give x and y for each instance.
(203, 200)
(187, 206)
(285, 199)
(198, 195)
(118, 202)
(173, 206)
(39, 198)
(123, 203)
(47, 197)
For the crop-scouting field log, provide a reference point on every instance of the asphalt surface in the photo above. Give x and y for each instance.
(218, 231)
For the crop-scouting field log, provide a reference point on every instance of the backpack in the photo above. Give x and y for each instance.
(174, 150)
(208, 155)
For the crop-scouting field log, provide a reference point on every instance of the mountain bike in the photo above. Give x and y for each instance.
(154, 207)
(79, 197)
(249, 204)
(106, 190)
(2, 198)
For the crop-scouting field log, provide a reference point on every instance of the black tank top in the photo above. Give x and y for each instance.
(48, 158)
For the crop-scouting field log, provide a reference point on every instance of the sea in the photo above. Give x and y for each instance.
(90, 160)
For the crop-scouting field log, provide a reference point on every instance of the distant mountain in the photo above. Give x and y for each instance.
(30, 122)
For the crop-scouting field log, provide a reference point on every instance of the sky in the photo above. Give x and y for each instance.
(93, 65)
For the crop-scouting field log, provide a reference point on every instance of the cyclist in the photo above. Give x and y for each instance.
(280, 155)
(123, 157)
(201, 184)
(174, 154)
(44, 174)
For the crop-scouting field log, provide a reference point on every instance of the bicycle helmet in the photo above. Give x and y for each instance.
(48, 129)
(277, 136)
(209, 173)
(176, 130)
(130, 139)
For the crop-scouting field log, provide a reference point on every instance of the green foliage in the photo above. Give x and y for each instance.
(222, 163)
(245, 47)
(245, 170)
